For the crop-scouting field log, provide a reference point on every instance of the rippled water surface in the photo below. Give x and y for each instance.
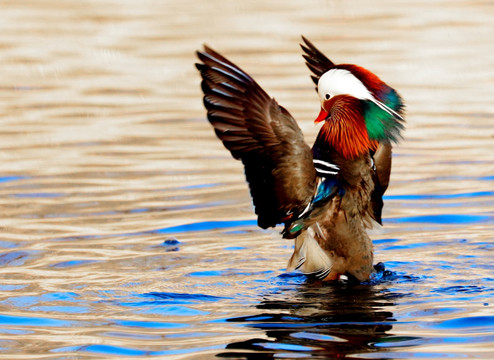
(127, 230)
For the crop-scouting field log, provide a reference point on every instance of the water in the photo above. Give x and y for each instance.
(127, 230)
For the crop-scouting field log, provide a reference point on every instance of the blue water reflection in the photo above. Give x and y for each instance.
(4, 179)
(444, 219)
(475, 194)
(32, 321)
(206, 226)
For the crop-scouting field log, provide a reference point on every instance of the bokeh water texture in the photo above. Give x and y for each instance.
(127, 230)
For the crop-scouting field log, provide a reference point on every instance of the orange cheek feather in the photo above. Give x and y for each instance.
(345, 130)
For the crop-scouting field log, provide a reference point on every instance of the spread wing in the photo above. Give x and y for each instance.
(315, 60)
(251, 124)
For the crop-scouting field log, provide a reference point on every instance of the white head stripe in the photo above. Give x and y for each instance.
(342, 82)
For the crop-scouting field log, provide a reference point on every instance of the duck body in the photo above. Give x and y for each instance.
(328, 196)
(338, 226)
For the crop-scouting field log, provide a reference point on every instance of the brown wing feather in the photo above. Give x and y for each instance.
(382, 162)
(315, 60)
(278, 162)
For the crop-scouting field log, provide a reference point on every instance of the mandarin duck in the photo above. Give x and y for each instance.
(328, 196)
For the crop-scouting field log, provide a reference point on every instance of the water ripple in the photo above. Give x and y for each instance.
(128, 230)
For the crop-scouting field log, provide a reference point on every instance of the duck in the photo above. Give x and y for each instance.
(326, 196)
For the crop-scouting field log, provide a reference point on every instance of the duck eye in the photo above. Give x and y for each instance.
(328, 96)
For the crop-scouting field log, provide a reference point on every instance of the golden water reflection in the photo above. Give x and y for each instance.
(127, 229)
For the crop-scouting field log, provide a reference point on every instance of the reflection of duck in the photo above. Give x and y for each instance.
(321, 322)
(327, 196)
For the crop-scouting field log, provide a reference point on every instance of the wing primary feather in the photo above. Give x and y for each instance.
(315, 60)
(260, 133)
(212, 56)
(313, 51)
(220, 76)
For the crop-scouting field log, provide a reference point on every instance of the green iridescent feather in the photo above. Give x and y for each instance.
(381, 125)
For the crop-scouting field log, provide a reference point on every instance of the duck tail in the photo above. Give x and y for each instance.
(309, 257)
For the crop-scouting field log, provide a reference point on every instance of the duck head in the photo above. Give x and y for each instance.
(358, 109)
